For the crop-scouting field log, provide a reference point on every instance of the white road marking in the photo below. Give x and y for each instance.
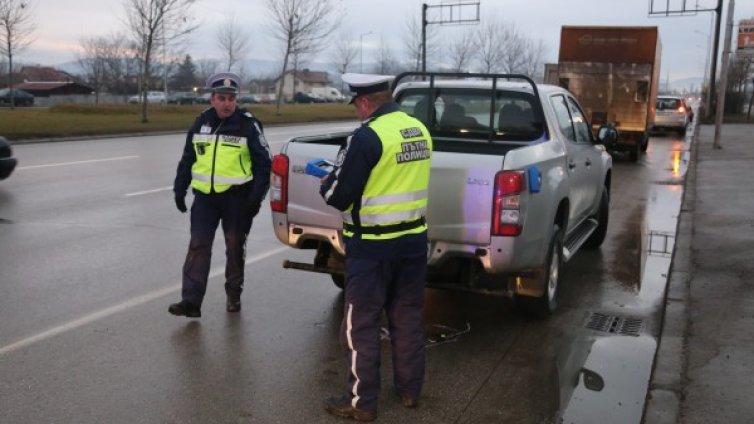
(156, 190)
(80, 162)
(112, 310)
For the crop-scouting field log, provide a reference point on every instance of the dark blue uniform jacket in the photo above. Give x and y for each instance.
(350, 178)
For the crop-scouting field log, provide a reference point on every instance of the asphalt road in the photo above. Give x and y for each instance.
(91, 249)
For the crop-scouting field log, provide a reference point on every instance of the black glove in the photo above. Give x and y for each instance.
(254, 208)
(180, 202)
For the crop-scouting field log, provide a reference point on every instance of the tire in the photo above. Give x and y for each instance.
(645, 142)
(633, 154)
(602, 216)
(544, 306)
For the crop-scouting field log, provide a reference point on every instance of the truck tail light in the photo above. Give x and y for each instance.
(506, 213)
(279, 184)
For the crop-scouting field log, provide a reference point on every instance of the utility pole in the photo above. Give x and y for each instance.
(686, 9)
(451, 13)
(723, 75)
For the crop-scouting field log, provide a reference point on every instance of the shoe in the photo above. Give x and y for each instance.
(341, 407)
(233, 304)
(409, 401)
(185, 309)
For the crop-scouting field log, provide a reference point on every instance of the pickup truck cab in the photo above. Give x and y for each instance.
(518, 184)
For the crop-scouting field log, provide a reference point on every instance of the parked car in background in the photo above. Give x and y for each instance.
(246, 99)
(301, 97)
(20, 97)
(672, 113)
(7, 161)
(203, 99)
(182, 98)
(153, 97)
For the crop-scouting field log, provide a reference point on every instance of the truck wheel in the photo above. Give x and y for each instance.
(682, 131)
(544, 306)
(339, 280)
(645, 142)
(598, 236)
(633, 154)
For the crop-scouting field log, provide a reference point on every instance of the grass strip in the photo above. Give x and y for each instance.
(89, 120)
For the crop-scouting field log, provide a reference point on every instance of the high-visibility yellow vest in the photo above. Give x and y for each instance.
(222, 161)
(394, 202)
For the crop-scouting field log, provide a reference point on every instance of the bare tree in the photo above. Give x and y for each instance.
(303, 27)
(233, 40)
(533, 59)
(461, 52)
(16, 31)
(489, 44)
(205, 68)
(386, 64)
(93, 62)
(151, 22)
(344, 52)
(412, 42)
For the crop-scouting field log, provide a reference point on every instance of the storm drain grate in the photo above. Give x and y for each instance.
(615, 324)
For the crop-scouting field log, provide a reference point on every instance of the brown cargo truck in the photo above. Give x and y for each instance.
(614, 72)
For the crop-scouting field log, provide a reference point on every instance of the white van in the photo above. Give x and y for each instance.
(329, 94)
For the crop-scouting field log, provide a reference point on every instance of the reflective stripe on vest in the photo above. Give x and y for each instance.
(222, 161)
(394, 202)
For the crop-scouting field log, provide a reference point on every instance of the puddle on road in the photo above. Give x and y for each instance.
(606, 378)
(612, 383)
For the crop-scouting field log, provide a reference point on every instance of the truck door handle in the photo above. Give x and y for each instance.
(571, 164)
(588, 162)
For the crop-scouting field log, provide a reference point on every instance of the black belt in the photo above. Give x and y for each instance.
(384, 229)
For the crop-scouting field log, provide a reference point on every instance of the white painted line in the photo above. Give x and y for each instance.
(77, 162)
(156, 190)
(112, 310)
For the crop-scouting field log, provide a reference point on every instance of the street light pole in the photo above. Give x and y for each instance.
(361, 51)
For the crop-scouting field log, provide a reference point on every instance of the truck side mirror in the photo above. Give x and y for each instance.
(607, 135)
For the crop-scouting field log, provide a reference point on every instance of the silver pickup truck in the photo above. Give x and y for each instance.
(518, 184)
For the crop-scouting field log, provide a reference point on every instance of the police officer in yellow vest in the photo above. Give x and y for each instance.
(227, 161)
(380, 184)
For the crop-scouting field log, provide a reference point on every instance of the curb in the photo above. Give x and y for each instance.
(663, 404)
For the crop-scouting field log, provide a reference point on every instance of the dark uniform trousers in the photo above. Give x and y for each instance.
(397, 286)
(207, 211)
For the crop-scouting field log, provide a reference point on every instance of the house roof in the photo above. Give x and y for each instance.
(47, 88)
(311, 76)
(44, 73)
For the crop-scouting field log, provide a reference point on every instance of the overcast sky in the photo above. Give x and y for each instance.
(62, 24)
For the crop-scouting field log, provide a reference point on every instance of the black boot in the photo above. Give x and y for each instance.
(233, 304)
(185, 309)
(341, 407)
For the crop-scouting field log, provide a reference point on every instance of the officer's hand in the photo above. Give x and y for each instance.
(180, 203)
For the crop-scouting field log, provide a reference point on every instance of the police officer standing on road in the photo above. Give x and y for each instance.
(227, 162)
(380, 184)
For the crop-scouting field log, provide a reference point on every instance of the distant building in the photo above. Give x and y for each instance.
(44, 74)
(48, 93)
(746, 35)
(304, 81)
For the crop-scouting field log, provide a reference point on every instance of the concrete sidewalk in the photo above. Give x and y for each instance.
(704, 369)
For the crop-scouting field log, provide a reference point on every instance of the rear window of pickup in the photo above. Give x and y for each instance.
(468, 114)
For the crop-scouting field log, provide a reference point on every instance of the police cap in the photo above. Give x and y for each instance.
(361, 84)
(224, 82)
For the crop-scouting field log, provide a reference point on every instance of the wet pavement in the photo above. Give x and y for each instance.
(704, 369)
(87, 339)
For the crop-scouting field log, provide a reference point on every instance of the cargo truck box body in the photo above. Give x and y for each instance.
(614, 72)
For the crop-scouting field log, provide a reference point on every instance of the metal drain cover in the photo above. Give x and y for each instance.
(615, 324)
